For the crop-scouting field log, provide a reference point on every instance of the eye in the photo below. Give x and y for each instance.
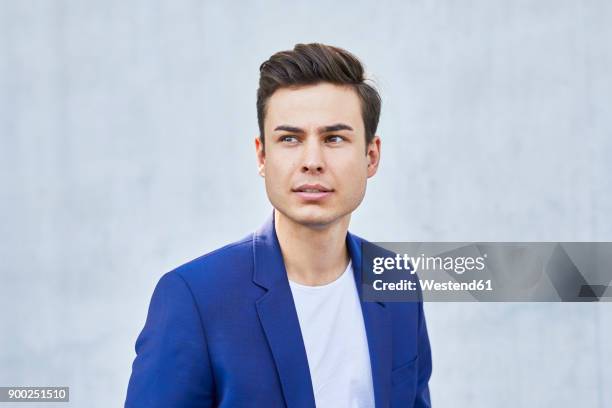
(334, 139)
(288, 139)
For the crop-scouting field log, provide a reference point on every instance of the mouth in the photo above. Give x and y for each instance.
(313, 192)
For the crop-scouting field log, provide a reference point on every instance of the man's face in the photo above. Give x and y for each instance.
(315, 162)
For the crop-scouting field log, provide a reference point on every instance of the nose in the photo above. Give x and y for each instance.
(313, 160)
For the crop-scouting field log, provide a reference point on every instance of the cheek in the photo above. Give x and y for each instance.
(351, 167)
(278, 174)
(354, 175)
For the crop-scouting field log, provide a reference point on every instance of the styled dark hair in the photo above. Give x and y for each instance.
(309, 64)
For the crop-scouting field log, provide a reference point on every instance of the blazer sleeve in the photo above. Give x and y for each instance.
(172, 365)
(425, 365)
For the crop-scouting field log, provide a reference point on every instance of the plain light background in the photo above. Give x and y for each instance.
(127, 149)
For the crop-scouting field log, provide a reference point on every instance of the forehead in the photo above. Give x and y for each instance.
(314, 105)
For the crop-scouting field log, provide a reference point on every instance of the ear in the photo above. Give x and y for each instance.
(373, 156)
(261, 157)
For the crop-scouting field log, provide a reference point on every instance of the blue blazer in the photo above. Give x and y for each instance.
(222, 331)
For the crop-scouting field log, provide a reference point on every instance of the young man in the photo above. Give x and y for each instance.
(276, 319)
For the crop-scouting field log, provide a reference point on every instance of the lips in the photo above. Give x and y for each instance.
(312, 188)
(313, 192)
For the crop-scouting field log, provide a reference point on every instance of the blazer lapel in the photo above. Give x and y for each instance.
(377, 323)
(280, 323)
(279, 319)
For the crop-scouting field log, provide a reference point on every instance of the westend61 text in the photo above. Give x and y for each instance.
(431, 285)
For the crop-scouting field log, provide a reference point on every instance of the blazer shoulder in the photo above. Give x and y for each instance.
(234, 257)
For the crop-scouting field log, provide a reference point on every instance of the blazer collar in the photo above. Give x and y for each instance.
(279, 320)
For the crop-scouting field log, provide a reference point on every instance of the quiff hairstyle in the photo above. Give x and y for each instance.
(309, 64)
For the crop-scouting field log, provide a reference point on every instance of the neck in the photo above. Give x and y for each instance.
(312, 256)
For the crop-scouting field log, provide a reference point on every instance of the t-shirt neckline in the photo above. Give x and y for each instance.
(331, 284)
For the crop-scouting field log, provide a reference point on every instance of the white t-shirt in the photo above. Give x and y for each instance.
(334, 335)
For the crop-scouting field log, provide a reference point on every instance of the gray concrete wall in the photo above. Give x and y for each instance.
(126, 149)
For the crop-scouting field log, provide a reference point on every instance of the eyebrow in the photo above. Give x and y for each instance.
(323, 129)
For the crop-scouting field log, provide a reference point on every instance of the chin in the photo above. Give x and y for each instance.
(313, 217)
